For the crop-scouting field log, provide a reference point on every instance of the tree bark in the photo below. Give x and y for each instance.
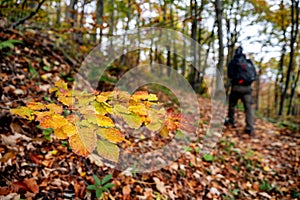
(219, 13)
(294, 33)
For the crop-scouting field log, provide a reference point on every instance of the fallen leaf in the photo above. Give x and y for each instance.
(32, 185)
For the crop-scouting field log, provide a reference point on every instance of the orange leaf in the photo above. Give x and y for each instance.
(54, 121)
(104, 121)
(60, 134)
(84, 142)
(111, 134)
(140, 95)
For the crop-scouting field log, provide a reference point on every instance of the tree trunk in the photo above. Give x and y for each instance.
(58, 12)
(294, 33)
(99, 19)
(219, 13)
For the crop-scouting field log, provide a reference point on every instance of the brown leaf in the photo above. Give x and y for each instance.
(5, 190)
(126, 190)
(32, 185)
(7, 156)
(19, 186)
(36, 158)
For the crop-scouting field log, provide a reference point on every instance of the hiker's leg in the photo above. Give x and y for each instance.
(233, 99)
(247, 101)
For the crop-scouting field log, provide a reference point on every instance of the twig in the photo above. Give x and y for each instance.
(21, 21)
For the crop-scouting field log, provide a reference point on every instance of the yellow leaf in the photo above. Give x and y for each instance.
(36, 106)
(164, 132)
(119, 110)
(99, 108)
(133, 120)
(100, 98)
(152, 97)
(154, 126)
(91, 118)
(24, 112)
(140, 95)
(267, 168)
(108, 150)
(53, 121)
(61, 84)
(84, 142)
(86, 99)
(69, 129)
(54, 108)
(104, 121)
(139, 109)
(60, 134)
(111, 134)
(65, 100)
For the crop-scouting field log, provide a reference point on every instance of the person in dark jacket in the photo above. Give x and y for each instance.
(240, 90)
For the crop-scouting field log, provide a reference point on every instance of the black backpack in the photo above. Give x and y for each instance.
(244, 72)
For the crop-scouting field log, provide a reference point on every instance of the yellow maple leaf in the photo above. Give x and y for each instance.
(104, 121)
(111, 134)
(84, 142)
(108, 150)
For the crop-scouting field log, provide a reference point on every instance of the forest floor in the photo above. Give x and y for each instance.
(265, 166)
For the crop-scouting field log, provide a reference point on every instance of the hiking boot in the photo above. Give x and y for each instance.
(250, 132)
(229, 123)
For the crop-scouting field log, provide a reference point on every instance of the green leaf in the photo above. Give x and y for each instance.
(46, 68)
(97, 180)
(108, 186)
(208, 158)
(106, 179)
(99, 193)
(108, 150)
(91, 187)
(133, 120)
(9, 43)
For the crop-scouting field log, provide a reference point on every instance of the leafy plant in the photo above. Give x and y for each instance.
(208, 157)
(265, 185)
(101, 186)
(85, 119)
(9, 44)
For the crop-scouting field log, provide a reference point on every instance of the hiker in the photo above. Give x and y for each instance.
(241, 73)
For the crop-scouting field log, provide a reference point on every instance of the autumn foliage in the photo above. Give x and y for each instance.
(90, 120)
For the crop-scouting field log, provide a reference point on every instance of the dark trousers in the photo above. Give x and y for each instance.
(245, 94)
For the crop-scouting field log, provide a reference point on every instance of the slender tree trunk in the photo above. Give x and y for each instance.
(294, 86)
(194, 47)
(58, 12)
(294, 32)
(99, 19)
(219, 13)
